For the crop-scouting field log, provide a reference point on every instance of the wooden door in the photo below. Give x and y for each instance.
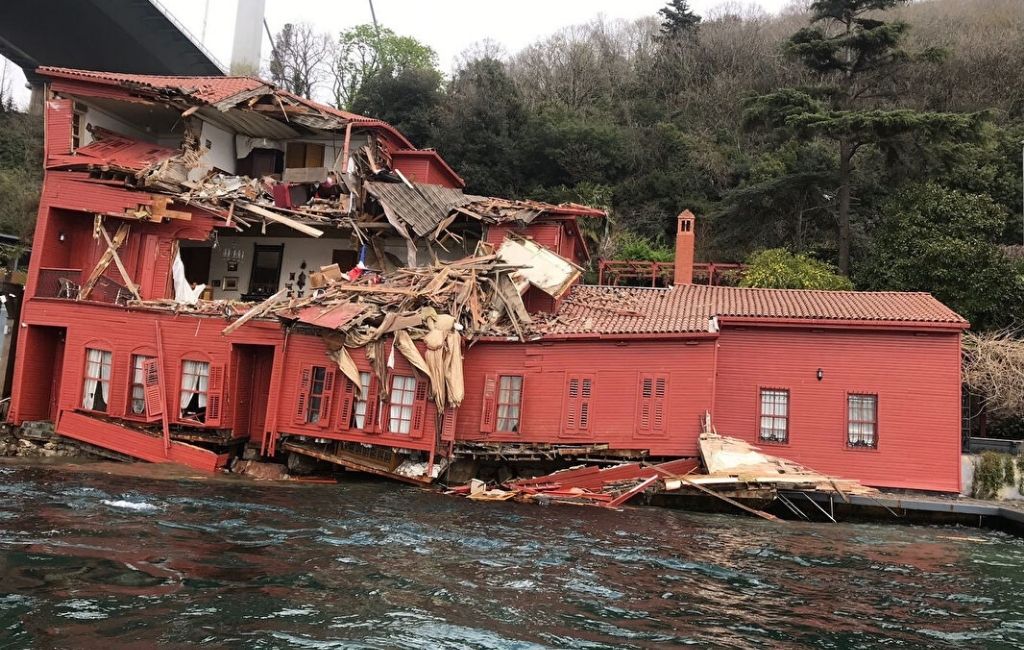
(242, 394)
(263, 362)
(58, 372)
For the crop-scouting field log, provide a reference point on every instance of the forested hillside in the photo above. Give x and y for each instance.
(650, 117)
(885, 143)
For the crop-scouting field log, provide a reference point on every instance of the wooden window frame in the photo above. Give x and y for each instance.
(314, 404)
(98, 347)
(182, 389)
(652, 403)
(503, 395)
(315, 397)
(142, 356)
(409, 389)
(362, 398)
(578, 409)
(761, 391)
(215, 381)
(873, 445)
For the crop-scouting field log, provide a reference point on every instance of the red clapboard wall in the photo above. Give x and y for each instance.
(594, 392)
(915, 376)
(306, 351)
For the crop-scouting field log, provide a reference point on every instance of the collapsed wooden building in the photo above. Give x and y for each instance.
(219, 265)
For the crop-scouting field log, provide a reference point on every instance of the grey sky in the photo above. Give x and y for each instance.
(448, 26)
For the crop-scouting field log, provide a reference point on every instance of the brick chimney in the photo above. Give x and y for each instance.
(684, 248)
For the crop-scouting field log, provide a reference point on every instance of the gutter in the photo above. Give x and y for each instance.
(835, 323)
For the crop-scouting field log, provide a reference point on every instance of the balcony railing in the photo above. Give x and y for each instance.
(64, 283)
(58, 283)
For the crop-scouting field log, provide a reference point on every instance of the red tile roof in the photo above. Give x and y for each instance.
(688, 309)
(207, 90)
(114, 151)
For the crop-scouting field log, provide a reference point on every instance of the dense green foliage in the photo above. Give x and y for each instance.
(992, 472)
(777, 268)
(21, 173)
(879, 130)
(935, 239)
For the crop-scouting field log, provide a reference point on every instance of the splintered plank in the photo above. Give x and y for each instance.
(135, 443)
(281, 219)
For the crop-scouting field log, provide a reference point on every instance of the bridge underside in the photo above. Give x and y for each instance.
(132, 36)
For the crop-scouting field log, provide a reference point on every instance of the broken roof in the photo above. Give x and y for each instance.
(605, 310)
(112, 151)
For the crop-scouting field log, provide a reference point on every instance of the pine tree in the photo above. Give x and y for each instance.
(678, 19)
(856, 58)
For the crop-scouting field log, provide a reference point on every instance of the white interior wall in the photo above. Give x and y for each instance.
(314, 252)
(222, 147)
(96, 118)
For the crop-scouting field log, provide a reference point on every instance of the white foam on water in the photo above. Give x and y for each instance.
(138, 506)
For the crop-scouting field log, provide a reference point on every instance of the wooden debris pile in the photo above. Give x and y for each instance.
(730, 470)
(440, 306)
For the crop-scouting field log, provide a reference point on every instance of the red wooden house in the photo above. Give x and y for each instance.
(862, 385)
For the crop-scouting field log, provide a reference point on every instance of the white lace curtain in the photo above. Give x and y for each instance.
(97, 379)
(195, 376)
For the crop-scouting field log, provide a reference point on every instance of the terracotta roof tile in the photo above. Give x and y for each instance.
(209, 90)
(206, 89)
(631, 310)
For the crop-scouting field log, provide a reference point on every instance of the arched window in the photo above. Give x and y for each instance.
(200, 390)
(96, 376)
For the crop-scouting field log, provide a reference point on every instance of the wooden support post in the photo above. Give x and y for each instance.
(732, 502)
(120, 266)
(108, 255)
(163, 389)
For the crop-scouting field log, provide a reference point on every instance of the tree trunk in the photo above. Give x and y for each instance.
(845, 156)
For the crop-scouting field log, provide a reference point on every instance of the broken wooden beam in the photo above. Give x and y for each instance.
(256, 310)
(281, 219)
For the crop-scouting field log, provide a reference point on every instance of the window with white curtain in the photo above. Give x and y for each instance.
(195, 379)
(774, 415)
(138, 388)
(862, 420)
(96, 389)
(510, 397)
(403, 392)
(359, 409)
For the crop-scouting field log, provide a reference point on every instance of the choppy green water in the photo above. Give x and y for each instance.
(97, 561)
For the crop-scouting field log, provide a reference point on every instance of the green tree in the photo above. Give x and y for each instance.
(678, 19)
(777, 268)
(942, 241)
(481, 128)
(21, 164)
(409, 101)
(856, 58)
(363, 52)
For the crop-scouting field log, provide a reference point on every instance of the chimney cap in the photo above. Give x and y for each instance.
(686, 214)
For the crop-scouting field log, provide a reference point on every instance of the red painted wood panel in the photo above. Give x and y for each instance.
(305, 350)
(617, 370)
(121, 439)
(916, 378)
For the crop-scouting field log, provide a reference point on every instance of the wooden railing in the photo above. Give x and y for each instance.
(662, 274)
(64, 283)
